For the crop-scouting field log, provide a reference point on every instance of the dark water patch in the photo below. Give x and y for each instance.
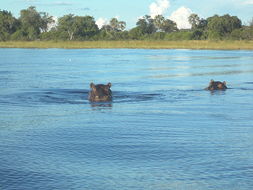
(222, 58)
(6, 76)
(217, 92)
(246, 89)
(246, 86)
(72, 96)
(6, 72)
(122, 97)
(228, 89)
(101, 106)
(25, 179)
(45, 97)
(165, 96)
(78, 96)
(183, 58)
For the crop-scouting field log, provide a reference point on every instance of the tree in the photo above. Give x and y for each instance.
(33, 23)
(30, 23)
(66, 24)
(194, 20)
(85, 26)
(169, 26)
(198, 27)
(77, 26)
(146, 25)
(202, 24)
(8, 25)
(136, 33)
(159, 22)
(117, 25)
(221, 26)
(164, 25)
(45, 21)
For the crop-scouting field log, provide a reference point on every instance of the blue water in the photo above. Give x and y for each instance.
(161, 132)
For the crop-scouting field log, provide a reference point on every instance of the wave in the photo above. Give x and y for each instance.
(40, 97)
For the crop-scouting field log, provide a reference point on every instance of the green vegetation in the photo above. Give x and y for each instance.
(39, 30)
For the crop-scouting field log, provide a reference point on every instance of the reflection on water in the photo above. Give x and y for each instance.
(161, 131)
(201, 74)
(218, 92)
(175, 66)
(100, 105)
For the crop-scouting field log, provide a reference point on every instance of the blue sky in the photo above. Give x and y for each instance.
(129, 10)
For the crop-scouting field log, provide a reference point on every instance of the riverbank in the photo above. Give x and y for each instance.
(217, 45)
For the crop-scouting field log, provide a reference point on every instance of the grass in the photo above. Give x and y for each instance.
(191, 44)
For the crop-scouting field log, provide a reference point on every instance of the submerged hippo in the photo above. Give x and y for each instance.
(216, 85)
(100, 92)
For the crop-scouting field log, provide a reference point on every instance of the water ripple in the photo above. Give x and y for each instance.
(235, 72)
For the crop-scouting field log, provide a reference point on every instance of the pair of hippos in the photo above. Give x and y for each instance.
(103, 93)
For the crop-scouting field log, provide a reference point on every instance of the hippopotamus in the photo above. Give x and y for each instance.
(216, 85)
(100, 92)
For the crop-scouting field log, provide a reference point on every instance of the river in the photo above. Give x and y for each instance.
(162, 130)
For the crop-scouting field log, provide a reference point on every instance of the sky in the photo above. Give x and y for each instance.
(131, 10)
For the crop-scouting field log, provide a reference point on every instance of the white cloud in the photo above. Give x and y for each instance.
(159, 7)
(101, 22)
(61, 3)
(249, 2)
(53, 3)
(180, 16)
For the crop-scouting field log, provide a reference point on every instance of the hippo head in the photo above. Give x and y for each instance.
(216, 85)
(100, 92)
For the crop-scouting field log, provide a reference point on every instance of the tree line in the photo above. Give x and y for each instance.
(34, 25)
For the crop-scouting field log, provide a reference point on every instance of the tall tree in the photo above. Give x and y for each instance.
(169, 26)
(33, 22)
(46, 20)
(159, 22)
(164, 25)
(8, 25)
(194, 20)
(117, 25)
(202, 24)
(114, 26)
(146, 25)
(221, 26)
(67, 24)
(77, 26)
(85, 26)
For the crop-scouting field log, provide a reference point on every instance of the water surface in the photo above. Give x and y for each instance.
(161, 131)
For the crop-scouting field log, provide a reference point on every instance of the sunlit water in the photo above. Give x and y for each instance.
(161, 132)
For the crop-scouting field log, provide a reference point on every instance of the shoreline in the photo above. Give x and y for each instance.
(191, 44)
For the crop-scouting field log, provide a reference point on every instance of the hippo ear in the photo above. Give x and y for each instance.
(92, 85)
(224, 82)
(211, 82)
(109, 84)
